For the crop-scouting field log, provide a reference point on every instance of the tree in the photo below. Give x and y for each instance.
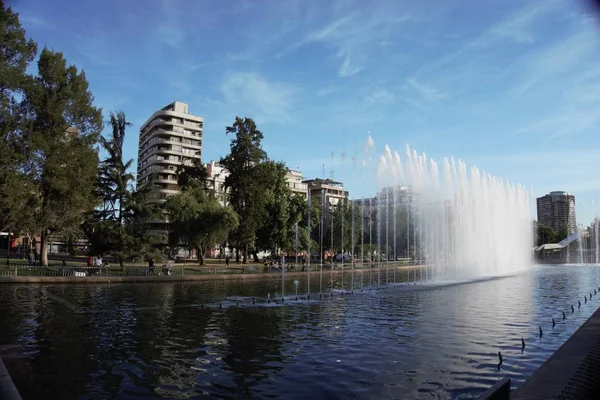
(545, 234)
(273, 233)
(561, 234)
(129, 239)
(343, 212)
(246, 195)
(195, 173)
(116, 227)
(114, 178)
(16, 52)
(197, 220)
(59, 145)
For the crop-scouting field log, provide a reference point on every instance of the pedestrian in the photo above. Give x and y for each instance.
(90, 261)
(227, 259)
(151, 265)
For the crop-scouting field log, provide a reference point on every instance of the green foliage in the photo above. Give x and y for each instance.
(116, 227)
(197, 220)
(194, 174)
(546, 234)
(274, 232)
(16, 52)
(59, 145)
(561, 234)
(247, 195)
(114, 178)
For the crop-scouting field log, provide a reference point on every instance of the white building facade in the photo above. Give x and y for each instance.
(169, 138)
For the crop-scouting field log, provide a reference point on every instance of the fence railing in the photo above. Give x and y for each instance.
(58, 270)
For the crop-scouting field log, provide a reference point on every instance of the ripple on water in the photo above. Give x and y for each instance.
(154, 341)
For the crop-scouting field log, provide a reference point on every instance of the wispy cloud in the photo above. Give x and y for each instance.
(252, 94)
(426, 92)
(380, 96)
(328, 31)
(565, 56)
(170, 31)
(353, 36)
(516, 28)
(34, 21)
(565, 123)
(95, 47)
(171, 35)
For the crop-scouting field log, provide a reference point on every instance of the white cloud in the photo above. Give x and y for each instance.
(378, 97)
(566, 123)
(517, 28)
(95, 47)
(171, 35)
(252, 94)
(353, 36)
(35, 21)
(328, 31)
(560, 58)
(426, 92)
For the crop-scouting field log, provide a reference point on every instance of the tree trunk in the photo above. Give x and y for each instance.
(121, 262)
(237, 255)
(200, 255)
(255, 257)
(44, 249)
(245, 255)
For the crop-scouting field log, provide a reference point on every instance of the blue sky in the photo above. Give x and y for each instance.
(511, 86)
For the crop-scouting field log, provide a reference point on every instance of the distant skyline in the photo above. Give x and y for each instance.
(512, 87)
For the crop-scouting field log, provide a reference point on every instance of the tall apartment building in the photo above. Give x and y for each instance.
(169, 138)
(556, 210)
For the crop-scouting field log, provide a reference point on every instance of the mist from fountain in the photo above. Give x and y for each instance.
(465, 223)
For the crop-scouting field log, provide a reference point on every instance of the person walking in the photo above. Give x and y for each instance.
(227, 260)
(151, 265)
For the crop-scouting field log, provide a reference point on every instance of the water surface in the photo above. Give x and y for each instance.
(172, 340)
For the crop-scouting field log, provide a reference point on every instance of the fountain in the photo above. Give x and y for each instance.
(466, 223)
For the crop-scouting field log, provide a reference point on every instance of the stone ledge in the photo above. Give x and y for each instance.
(548, 381)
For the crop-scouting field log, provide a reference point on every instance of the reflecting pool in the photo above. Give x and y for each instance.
(207, 340)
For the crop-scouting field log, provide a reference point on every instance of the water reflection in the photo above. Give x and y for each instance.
(172, 341)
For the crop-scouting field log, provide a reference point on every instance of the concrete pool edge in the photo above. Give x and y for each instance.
(8, 390)
(180, 278)
(553, 376)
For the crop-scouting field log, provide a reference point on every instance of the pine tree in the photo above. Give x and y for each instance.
(59, 144)
(16, 52)
(246, 195)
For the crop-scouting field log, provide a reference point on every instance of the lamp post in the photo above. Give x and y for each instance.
(7, 248)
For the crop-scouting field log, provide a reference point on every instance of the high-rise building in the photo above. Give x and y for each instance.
(169, 138)
(557, 210)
